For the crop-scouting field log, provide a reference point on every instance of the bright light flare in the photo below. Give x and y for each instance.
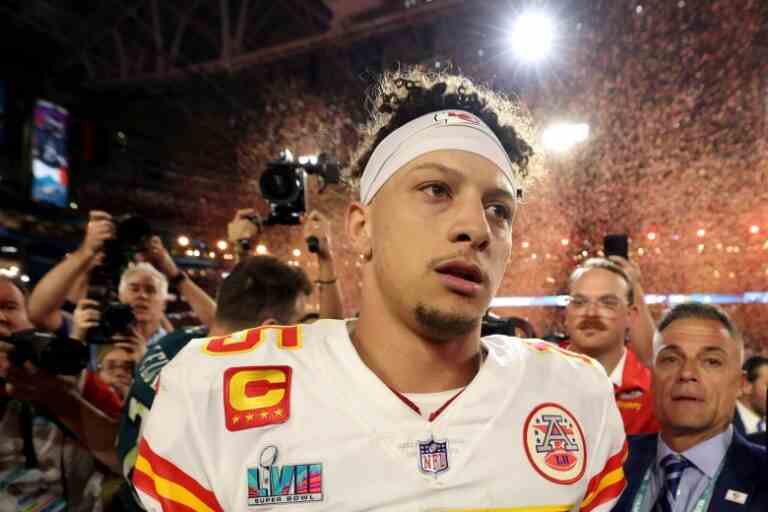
(561, 137)
(532, 37)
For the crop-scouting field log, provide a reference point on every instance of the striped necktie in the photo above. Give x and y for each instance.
(673, 466)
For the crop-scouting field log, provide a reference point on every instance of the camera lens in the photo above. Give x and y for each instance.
(280, 184)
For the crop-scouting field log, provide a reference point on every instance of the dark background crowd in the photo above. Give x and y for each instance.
(175, 123)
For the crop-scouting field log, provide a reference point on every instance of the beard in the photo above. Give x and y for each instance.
(441, 326)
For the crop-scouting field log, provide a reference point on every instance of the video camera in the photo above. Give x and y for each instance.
(282, 184)
(47, 351)
(131, 236)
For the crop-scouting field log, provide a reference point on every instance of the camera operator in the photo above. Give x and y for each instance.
(101, 387)
(141, 286)
(39, 466)
(105, 387)
(245, 230)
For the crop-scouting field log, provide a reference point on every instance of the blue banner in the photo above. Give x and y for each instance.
(50, 164)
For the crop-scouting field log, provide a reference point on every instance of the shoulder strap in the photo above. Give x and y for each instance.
(25, 420)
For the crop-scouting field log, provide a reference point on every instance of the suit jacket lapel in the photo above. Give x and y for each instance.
(739, 474)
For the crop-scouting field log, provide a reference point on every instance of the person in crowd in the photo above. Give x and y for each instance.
(143, 286)
(405, 406)
(246, 228)
(605, 305)
(40, 467)
(104, 388)
(750, 418)
(696, 462)
(116, 367)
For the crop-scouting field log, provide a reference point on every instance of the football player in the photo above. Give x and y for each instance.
(406, 407)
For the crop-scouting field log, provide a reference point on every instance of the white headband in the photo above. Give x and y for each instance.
(446, 129)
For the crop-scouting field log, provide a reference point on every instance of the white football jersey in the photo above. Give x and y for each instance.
(290, 418)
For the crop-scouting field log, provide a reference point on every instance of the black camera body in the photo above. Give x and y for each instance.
(282, 186)
(116, 318)
(47, 351)
(131, 236)
(506, 326)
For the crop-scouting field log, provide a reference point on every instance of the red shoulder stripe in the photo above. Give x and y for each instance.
(168, 484)
(607, 484)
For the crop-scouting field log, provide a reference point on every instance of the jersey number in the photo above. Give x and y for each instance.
(288, 338)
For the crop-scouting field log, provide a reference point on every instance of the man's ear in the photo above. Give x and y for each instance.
(358, 226)
(745, 388)
(634, 313)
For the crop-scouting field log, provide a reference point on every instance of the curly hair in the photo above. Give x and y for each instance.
(406, 94)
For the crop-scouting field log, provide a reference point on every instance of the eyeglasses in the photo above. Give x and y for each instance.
(606, 305)
(113, 366)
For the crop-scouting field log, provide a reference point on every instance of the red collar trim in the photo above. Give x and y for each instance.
(433, 416)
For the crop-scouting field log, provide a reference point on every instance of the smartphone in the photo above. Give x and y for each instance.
(616, 245)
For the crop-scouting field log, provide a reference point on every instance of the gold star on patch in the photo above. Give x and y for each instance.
(249, 417)
(265, 414)
(235, 419)
(278, 412)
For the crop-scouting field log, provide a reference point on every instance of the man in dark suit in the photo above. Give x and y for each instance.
(751, 407)
(697, 462)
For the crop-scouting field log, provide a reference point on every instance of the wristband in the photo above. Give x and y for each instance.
(244, 244)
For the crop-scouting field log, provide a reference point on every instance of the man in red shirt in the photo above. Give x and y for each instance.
(605, 304)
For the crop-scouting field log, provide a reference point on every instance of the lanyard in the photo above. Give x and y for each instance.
(701, 504)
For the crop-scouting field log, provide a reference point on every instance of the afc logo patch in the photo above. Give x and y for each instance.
(255, 396)
(555, 444)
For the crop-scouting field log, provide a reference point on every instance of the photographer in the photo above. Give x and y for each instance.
(39, 465)
(142, 286)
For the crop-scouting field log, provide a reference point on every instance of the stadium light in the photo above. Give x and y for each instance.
(563, 136)
(532, 37)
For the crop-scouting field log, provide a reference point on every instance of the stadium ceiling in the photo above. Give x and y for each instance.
(133, 42)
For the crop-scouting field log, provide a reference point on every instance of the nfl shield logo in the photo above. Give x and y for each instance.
(433, 456)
